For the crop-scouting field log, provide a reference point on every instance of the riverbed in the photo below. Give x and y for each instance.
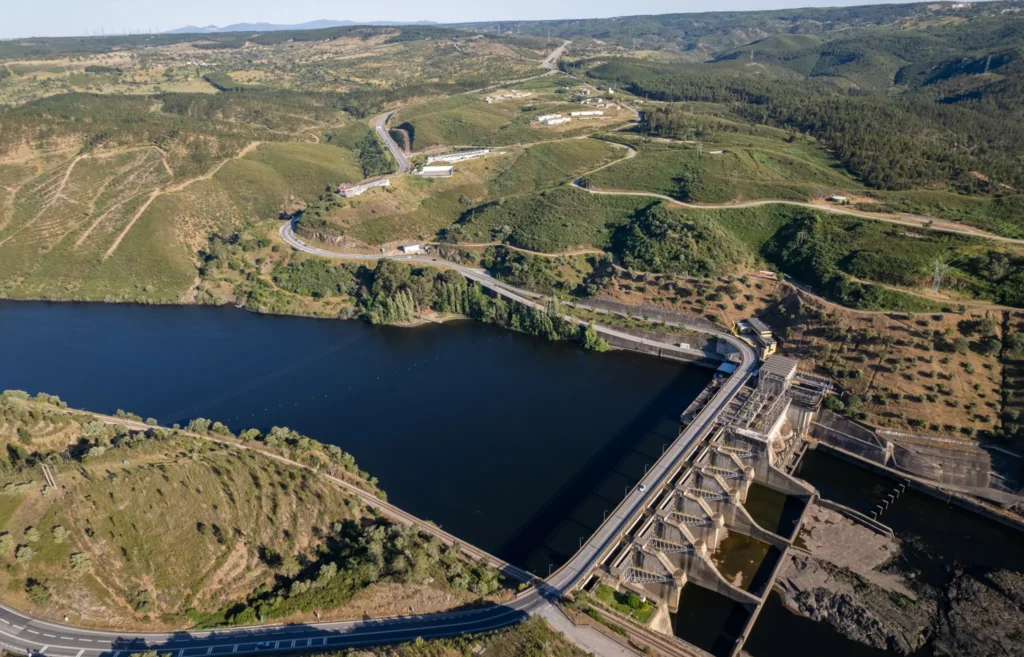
(510, 442)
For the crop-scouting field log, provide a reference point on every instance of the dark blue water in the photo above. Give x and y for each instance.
(512, 443)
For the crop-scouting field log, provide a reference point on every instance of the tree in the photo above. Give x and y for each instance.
(1015, 343)
(290, 567)
(32, 534)
(991, 346)
(590, 340)
(6, 543)
(80, 562)
(37, 593)
(25, 554)
(59, 534)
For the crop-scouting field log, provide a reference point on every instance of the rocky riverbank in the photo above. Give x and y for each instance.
(849, 577)
(859, 609)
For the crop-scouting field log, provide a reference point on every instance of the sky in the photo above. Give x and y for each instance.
(25, 18)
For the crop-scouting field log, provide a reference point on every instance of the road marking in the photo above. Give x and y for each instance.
(234, 648)
(209, 651)
(43, 649)
(32, 632)
(71, 638)
(181, 653)
(80, 653)
(86, 640)
(49, 635)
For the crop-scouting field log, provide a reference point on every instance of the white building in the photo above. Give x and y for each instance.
(436, 172)
(348, 191)
(837, 199)
(459, 156)
(410, 248)
(556, 120)
(546, 117)
(587, 113)
(508, 95)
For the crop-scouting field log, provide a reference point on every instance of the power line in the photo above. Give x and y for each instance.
(941, 269)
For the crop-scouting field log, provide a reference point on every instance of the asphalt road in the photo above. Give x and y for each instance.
(380, 124)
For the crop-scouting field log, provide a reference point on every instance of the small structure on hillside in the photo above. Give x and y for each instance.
(355, 189)
(410, 249)
(542, 118)
(841, 200)
(508, 95)
(461, 156)
(587, 113)
(557, 121)
(757, 334)
(436, 171)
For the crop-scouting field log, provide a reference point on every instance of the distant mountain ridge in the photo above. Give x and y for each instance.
(273, 27)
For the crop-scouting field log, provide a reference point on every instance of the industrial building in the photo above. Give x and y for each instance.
(435, 172)
(557, 121)
(587, 113)
(757, 334)
(459, 156)
(355, 189)
(409, 249)
(546, 117)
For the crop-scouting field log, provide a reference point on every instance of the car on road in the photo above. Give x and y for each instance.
(262, 645)
(643, 487)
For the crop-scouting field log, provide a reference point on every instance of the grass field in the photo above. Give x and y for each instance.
(731, 167)
(162, 530)
(117, 225)
(560, 219)
(419, 208)
(465, 120)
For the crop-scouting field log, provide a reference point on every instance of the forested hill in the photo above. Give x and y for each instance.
(907, 97)
(699, 36)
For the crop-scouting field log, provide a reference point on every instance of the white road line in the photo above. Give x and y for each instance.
(49, 635)
(208, 651)
(80, 653)
(234, 648)
(43, 649)
(32, 632)
(5, 620)
(86, 640)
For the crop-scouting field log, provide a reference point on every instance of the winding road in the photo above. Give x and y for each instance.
(380, 124)
(911, 221)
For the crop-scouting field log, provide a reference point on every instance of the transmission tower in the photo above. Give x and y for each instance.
(941, 268)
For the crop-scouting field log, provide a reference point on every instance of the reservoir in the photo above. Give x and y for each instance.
(513, 443)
